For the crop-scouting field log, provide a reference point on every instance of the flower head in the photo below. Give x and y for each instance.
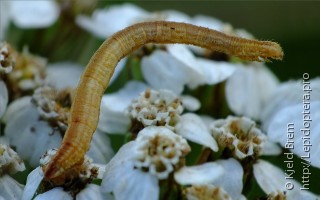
(6, 58)
(161, 108)
(160, 151)
(205, 192)
(240, 135)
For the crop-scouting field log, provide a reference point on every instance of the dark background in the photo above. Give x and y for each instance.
(293, 24)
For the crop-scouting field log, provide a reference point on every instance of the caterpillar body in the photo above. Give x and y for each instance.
(86, 104)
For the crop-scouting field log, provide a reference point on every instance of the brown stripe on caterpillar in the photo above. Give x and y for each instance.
(86, 105)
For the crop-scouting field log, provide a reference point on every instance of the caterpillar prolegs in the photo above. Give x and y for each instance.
(86, 104)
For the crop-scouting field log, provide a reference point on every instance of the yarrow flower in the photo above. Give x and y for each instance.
(205, 192)
(161, 108)
(78, 187)
(6, 58)
(154, 155)
(10, 163)
(239, 135)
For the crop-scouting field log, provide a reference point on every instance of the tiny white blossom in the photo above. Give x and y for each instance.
(6, 58)
(10, 163)
(138, 166)
(249, 89)
(33, 14)
(160, 150)
(240, 135)
(200, 192)
(112, 115)
(158, 108)
(24, 129)
(39, 122)
(125, 181)
(88, 172)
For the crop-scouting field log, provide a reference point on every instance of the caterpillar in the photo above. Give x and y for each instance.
(94, 80)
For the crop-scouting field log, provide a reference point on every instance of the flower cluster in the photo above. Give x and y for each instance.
(185, 122)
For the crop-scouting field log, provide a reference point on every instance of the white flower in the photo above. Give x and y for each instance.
(6, 58)
(288, 94)
(10, 188)
(125, 181)
(112, 112)
(24, 129)
(77, 187)
(223, 175)
(160, 150)
(105, 22)
(300, 137)
(239, 135)
(164, 108)
(179, 67)
(161, 108)
(10, 163)
(3, 98)
(39, 123)
(199, 192)
(33, 14)
(194, 129)
(139, 165)
(271, 179)
(62, 75)
(249, 89)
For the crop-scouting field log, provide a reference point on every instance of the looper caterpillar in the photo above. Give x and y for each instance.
(86, 105)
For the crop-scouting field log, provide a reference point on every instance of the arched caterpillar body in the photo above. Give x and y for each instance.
(86, 105)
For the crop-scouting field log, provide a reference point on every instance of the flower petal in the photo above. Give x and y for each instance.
(288, 94)
(271, 179)
(212, 72)
(100, 148)
(53, 194)
(192, 128)
(91, 191)
(190, 102)
(62, 75)
(290, 120)
(34, 14)
(249, 88)
(105, 22)
(112, 116)
(3, 98)
(130, 184)
(24, 130)
(231, 179)
(10, 188)
(33, 181)
(200, 174)
(160, 66)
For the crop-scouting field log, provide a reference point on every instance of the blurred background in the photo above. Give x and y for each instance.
(293, 24)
